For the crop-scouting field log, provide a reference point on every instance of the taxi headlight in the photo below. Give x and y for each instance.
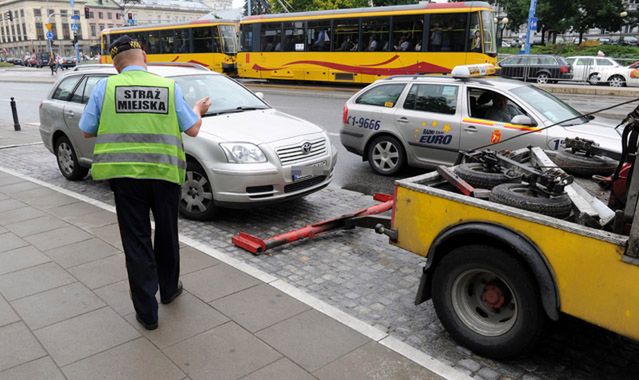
(243, 153)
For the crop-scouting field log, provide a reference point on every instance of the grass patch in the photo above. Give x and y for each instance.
(4, 64)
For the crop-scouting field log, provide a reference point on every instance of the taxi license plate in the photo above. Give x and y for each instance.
(300, 173)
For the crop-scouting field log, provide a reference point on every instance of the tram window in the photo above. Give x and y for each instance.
(318, 36)
(407, 33)
(375, 34)
(153, 41)
(204, 40)
(447, 32)
(474, 35)
(247, 38)
(272, 36)
(294, 36)
(167, 40)
(346, 35)
(182, 41)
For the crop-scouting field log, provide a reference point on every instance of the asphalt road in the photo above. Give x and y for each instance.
(323, 108)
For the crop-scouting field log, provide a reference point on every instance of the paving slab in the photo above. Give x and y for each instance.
(40, 369)
(11, 241)
(34, 226)
(81, 252)
(110, 234)
(85, 335)
(99, 273)
(58, 238)
(20, 187)
(21, 258)
(51, 201)
(225, 352)
(9, 179)
(19, 215)
(273, 305)
(11, 204)
(7, 315)
(376, 362)
(95, 219)
(55, 305)
(33, 280)
(282, 369)
(73, 209)
(192, 260)
(217, 281)
(184, 318)
(137, 359)
(117, 296)
(18, 346)
(312, 339)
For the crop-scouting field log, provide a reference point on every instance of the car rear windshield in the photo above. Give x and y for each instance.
(225, 94)
(548, 105)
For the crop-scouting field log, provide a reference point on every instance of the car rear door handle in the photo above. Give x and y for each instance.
(470, 129)
(402, 120)
(69, 113)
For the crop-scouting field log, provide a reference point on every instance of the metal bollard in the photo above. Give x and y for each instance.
(14, 112)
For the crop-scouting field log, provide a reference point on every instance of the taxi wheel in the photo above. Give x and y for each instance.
(196, 201)
(488, 301)
(581, 165)
(617, 81)
(543, 78)
(68, 160)
(386, 155)
(525, 197)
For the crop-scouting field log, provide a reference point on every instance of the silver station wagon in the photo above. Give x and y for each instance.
(246, 153)
(424, 121)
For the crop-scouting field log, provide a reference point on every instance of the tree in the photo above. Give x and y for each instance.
(258, 7)
(316, 5)
(603, 14)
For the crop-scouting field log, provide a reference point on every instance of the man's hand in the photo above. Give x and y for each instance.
(202, 106)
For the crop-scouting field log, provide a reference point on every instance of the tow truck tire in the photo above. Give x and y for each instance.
(488, 301)
(524, 197)
(477, 176)
(196, 199)
(581, 165)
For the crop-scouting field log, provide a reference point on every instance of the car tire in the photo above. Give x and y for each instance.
(525, 197)
(617, 81)
(593, 79)
(488, 301)
(68, 160)
(543, 78)
(581, 165)
(477, 176)
(386, 155)
(196, 200)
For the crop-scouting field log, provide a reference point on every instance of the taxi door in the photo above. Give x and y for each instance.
(479, 127)
(429, 121)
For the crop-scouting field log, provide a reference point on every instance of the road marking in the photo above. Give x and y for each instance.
(419, 357)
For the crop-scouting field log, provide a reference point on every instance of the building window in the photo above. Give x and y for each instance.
(63, 14)
(118, 16)
(91, 15)
(76, 13)
(39, 31)
(93, 34)
(110, 15)
(21, 12)
(37, 12)
(100, 15)
(24, 30)
(65, 31)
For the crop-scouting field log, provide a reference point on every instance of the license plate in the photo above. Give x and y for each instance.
(300, 173)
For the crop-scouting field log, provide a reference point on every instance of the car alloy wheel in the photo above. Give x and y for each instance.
(386, 155)
(65, 158)
(593, 79)
(197, 194)
(68, 161)
(617, 81)
(542, 78)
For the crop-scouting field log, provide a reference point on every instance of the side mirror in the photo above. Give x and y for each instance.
(523, 120)
(260, 95)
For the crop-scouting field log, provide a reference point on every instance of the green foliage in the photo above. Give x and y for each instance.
(567, 50)
(317, 5)
(4, 64)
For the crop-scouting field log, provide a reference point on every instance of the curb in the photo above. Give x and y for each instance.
(590, 90)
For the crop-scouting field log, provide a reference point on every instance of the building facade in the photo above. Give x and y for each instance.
(25, 31)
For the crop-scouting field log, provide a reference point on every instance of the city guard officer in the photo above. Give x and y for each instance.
(138, 118)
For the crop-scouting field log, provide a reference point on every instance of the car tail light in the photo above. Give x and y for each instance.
(564, 69)
(345, 115)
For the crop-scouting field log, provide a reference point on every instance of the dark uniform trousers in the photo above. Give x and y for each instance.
(149, 265)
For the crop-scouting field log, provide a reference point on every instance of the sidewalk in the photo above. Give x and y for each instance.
(65, 310)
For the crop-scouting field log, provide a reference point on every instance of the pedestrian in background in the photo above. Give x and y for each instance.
(140, 151)
(52, 63)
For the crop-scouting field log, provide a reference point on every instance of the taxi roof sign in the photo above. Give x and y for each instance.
(473, 71)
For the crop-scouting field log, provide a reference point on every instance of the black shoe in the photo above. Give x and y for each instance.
(174, 296)
(148, 326)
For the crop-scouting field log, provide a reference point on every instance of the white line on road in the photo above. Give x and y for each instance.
(333, 134)
(372, 332)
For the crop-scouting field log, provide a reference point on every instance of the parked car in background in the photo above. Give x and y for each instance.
(604, 40)
(629, 40)
(538, 67)
(68, 62)
(423, 121)
(601, 70)
(246, 154)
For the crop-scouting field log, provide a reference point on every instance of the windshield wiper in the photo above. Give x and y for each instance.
(234, 110)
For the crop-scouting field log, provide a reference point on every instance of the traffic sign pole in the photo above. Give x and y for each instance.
(532, 25)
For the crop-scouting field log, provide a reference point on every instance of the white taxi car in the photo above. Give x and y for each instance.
(600, 70)
(424, 121)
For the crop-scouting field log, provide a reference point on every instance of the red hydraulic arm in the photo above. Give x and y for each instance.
(257, 245)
